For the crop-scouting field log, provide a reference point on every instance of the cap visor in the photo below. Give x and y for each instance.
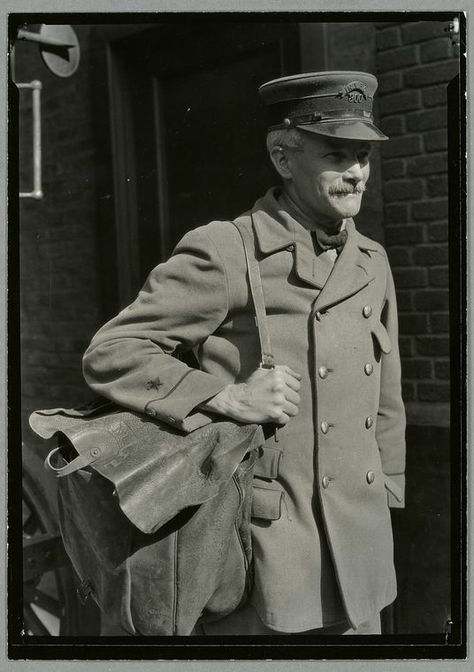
(349, 129)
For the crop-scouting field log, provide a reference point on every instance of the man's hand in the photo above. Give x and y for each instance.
(269, 395)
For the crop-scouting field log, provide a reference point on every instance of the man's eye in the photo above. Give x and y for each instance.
(335, 155)
(363, 157)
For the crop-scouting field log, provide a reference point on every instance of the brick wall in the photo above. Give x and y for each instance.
(415, 62)
(59, 262)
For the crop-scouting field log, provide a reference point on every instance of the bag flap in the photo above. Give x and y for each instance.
(156, 470)
(47, 422)
(266, 500)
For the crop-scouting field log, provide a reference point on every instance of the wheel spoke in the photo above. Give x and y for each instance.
(50, 605)
(33, 622)
(41, 599)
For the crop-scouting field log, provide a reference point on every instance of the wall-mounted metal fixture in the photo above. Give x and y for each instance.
(453, 31)
(35, 87)
(59, 49)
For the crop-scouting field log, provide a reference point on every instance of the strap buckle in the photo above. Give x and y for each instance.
(84, 590)
(268, 361)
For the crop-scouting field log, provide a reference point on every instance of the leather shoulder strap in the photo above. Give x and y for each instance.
(256, 289)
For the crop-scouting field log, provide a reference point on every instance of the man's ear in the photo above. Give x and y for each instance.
(280, 161)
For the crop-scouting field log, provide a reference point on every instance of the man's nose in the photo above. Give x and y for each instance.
(354, 172)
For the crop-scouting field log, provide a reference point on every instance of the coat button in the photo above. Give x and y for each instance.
(318, 316)
(368, 368)
(95, 452)
(323, 372)
(367, 311)
(369, 421)
(170, 419)
(325, 482)
(324, 427)
(370, 476)
(152, 412)
(290, 247)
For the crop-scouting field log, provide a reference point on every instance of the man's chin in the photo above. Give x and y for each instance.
(346, 213)
(347, 207)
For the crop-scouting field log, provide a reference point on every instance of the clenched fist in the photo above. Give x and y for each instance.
(269, 395)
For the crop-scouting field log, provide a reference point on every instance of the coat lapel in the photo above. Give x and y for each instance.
(276, 230)
(310, 268)
(350, 274)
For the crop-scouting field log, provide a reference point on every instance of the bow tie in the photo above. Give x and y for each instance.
(327, 241)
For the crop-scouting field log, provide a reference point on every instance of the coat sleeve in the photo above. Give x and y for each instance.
(391, 422)
(130, 359)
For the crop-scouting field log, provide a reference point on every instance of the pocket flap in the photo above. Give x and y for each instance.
(266, 500)
(267, 464)
(48, 421)
(394, 488)
(383, 339)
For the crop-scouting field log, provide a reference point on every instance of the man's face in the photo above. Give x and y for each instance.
(327, 176)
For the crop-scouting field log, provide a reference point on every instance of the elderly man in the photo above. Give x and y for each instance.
(334, 458)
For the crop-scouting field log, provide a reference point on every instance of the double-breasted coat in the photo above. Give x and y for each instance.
(322, 538)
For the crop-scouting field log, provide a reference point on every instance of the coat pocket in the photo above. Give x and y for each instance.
(381, 337)
(266, 500)
(394, 489)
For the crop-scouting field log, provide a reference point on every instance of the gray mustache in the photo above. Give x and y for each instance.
(348, 189)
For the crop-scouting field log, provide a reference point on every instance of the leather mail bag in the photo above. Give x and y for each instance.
(156, 523)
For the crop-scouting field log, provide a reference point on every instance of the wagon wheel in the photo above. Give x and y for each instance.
(50, 603)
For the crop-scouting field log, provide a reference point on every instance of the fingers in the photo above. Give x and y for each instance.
(290, 377)
(274, 393)
(283, 419)
(290, 409)
(286, 383)
(289, 372)
(292, 397)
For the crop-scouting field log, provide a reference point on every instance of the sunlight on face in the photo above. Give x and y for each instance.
(327, 177)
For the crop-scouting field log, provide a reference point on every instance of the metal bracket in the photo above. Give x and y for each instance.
(35, 86)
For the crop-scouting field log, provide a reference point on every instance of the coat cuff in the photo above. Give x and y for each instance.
(193, 389)
(395, 487)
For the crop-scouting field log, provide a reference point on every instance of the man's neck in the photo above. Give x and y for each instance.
(289, 204)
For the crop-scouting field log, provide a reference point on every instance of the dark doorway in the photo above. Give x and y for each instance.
(188, 130)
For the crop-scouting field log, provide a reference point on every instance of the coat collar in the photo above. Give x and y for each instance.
(276, 230)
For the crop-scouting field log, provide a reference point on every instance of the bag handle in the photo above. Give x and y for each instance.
(256, 289)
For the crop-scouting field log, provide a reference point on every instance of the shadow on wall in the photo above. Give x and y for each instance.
(423, 535)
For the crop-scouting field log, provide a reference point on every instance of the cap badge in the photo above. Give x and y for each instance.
(354, 91)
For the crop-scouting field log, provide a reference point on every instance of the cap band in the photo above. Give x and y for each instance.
(315, 108)
(316, 118)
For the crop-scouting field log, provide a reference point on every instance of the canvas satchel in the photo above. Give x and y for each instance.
(157, 523)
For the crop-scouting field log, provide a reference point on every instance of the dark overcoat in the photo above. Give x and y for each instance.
(322, 536)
